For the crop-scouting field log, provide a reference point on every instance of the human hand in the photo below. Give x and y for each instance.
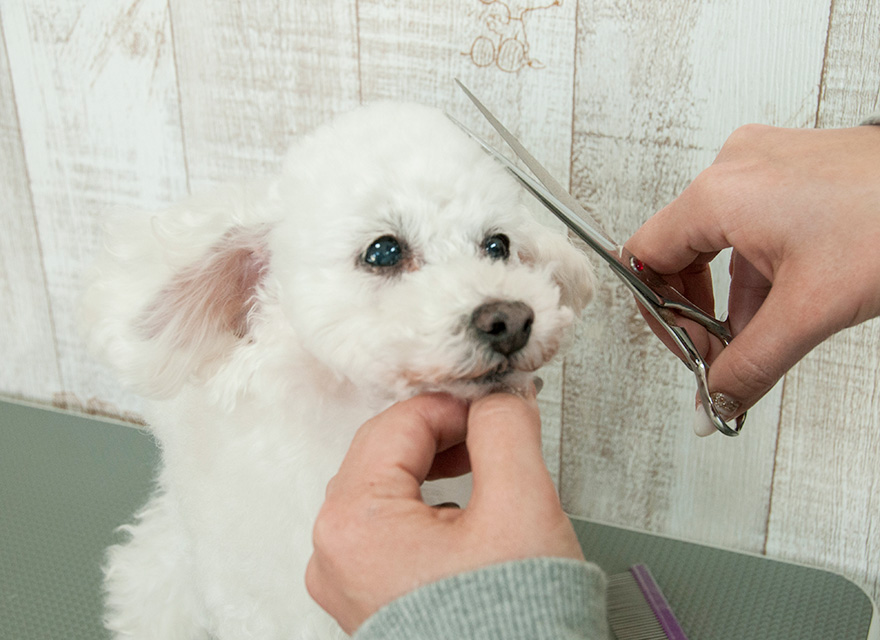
(801, 209)
(376, 540)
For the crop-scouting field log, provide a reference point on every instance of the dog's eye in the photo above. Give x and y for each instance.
(384, 252)
(497, 246)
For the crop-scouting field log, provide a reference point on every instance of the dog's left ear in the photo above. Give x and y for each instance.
(571, 269)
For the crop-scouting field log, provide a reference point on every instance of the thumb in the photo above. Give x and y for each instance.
(781, 332)
(393, 452)
(514, 501)
(504, 445)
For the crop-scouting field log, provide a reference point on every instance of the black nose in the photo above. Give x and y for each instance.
(505, 326)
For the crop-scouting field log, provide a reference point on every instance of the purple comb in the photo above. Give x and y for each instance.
(637, 608)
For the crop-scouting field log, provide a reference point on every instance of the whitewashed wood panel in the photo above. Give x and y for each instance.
(516, 56)
(851, 77)
(658, 89)
(254, 74)
(826, 490)
(27, 344)
(97, 102)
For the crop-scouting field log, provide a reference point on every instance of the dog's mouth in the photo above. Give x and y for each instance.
(504, 376)
(483, 371)
(496, 375)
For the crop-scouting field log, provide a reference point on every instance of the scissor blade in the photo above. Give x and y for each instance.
(589, 225)
(604, 247)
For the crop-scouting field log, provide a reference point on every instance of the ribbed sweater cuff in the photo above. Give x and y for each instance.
(529, 599)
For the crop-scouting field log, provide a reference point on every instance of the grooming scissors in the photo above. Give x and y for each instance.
(661, 300)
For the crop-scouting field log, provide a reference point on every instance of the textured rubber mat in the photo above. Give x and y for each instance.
(66, 483)
(724, 595)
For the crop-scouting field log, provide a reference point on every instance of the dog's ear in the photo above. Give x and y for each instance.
(571, 269)
(159, 324)
(206, 307)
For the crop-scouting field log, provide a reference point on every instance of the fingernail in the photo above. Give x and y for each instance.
(539, 384)
(726, 406)
(702, 422)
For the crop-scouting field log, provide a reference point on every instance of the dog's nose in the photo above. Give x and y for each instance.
(505, 326)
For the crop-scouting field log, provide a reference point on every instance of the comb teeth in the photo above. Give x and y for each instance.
(637, 609)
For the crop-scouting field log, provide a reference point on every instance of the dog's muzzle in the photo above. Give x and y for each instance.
(504, 326)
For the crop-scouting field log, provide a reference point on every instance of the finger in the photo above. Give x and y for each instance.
(504, 443)
(695, 284)
(765, 349)
(704, 342)
(392, 454)
(671, 244)
(674, 237)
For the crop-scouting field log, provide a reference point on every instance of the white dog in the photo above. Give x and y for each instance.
(391, 256)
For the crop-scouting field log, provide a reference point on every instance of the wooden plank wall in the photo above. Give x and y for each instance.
(108, 103)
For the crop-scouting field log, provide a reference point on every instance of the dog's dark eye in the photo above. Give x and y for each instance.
(497, 246)
(384, 252)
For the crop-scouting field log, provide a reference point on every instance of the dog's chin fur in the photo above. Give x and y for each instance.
(265, 339)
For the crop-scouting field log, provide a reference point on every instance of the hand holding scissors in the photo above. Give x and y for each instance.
(800, 209)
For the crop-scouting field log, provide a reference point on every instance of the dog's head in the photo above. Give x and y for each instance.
(392, 250)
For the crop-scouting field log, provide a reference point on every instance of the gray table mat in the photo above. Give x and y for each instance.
(724, 595)
(67, 482)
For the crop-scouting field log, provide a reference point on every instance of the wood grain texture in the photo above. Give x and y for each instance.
(412, 50)
(658, 89)
(851, 75)
(826, 489)
(27, 340)
(97, 103)
(254, 74)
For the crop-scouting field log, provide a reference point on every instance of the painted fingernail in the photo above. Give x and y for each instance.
(726, 406)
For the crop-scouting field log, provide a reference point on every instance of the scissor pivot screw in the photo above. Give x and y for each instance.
(637, 265)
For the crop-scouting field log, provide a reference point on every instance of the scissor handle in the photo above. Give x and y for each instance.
(663, 302)
(653, 290)
(697, 364)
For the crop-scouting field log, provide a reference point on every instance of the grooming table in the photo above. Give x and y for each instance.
(67, 481)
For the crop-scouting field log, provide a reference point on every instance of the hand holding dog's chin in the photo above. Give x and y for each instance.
(376, 540)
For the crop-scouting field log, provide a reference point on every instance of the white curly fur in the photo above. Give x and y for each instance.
(250, 318)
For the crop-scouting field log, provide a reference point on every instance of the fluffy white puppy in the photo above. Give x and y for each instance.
(391, 256)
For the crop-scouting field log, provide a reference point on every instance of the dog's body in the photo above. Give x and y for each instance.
(390, 257)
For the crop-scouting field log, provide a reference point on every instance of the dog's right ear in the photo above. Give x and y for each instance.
(160, 324)
(572, 271)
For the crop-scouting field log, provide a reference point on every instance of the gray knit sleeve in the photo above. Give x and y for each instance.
(534, 599)
(872, 119)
